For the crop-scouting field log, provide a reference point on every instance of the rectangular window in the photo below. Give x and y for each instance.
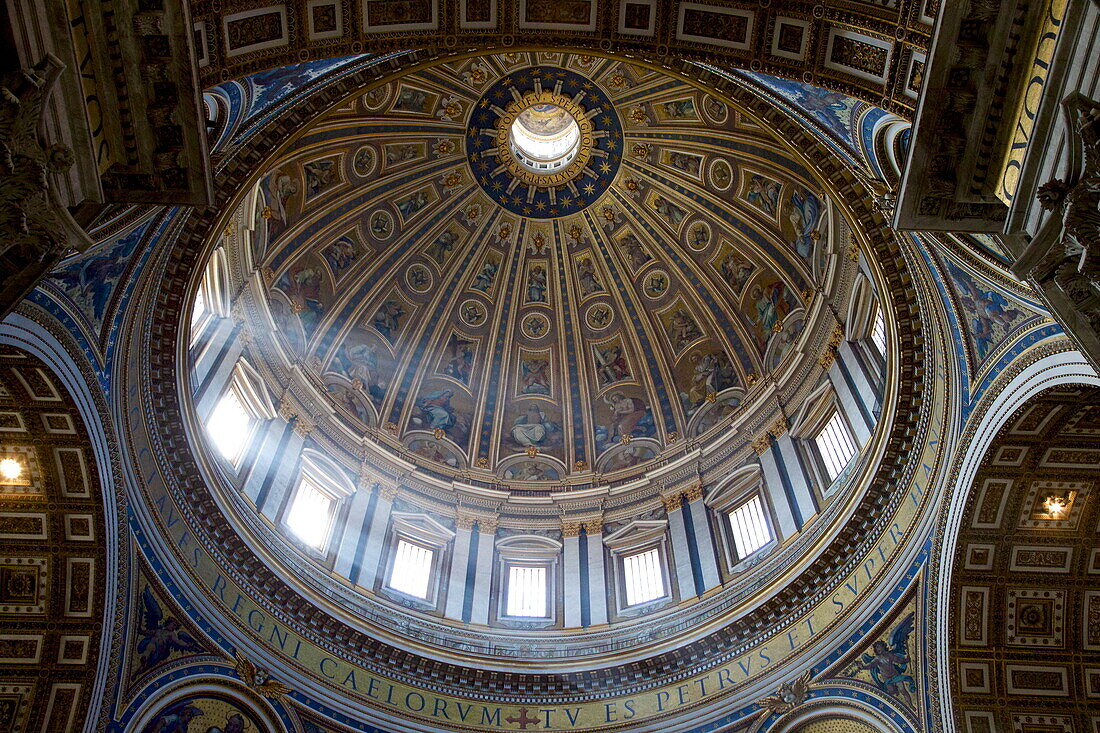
(230, 427)
(527, 591)
(750, 527)
(836, 445)
(643, 577)
(310, 515)
(412, 569)
(198, 312)
(878, 332)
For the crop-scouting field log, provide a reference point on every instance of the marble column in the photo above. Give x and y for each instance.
(214, 366)
(597, 574)
(571, 589)
(855, 392)
(273, 493)
(681, 555)
(355, 528)
(375, 542)
(704, 542)
(794, 482)
(483, 574)
(460, 561)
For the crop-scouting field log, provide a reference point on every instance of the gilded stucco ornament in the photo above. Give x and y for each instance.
(535, 99)
(515, 181)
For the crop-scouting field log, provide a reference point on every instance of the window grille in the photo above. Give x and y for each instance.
(230, 427)
(527, 591)
(199, 310)
(310, 515)
(643, 577)
(412, 569)
(750, 527)
(836, 445)
(878, 332)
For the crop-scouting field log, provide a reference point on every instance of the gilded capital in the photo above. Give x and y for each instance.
(594, 526)
(671, 502)
(762, 444)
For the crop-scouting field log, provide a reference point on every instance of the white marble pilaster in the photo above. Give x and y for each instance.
(456, 578)
(285, 472)
(799, 482)
(572, 565)
(354, 528)
(777, 495)
(854, 393)
(375, 540)
(681, 557)
(597, 574)
(483, 574)
(700, 524)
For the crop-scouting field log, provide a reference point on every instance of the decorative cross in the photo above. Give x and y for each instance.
(522, 720)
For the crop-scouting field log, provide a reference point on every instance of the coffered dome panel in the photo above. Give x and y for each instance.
(471, 314)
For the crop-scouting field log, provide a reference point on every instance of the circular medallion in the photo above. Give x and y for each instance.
(381, 224)
(535, 326)
(472, 313)
(419, 278)
(715, 109)
(364, 160)
(599, 316)
(544, 142)
(721, 175)
(655, 284)
(376, 98)
(698, 235)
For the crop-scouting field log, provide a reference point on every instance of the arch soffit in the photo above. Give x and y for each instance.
(1059, 365)
(870, 52)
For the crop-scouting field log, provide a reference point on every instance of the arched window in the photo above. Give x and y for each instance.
(878, 332)
(749, 526)
(826, 439)
(528, 571)
(243, 405)
(211, 296)
(643, 579)
(415, 554)
(835, 444)
(640, 553)
(230, 426)
(412, 568)
(746, 525)
(310, 514)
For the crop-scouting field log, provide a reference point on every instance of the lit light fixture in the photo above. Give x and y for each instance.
(1056, 506)
(11, 469)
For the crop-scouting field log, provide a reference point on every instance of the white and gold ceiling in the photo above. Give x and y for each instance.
(481, 320)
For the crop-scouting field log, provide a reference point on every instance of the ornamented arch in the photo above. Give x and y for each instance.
(1000, 557)
(57, 558)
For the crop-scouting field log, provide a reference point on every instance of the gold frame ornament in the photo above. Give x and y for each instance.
(521, 172)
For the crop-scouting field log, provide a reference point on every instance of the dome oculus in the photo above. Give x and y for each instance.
(544, 137)
(544, 142)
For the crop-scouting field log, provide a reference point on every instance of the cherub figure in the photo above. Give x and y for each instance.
(890, 662)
